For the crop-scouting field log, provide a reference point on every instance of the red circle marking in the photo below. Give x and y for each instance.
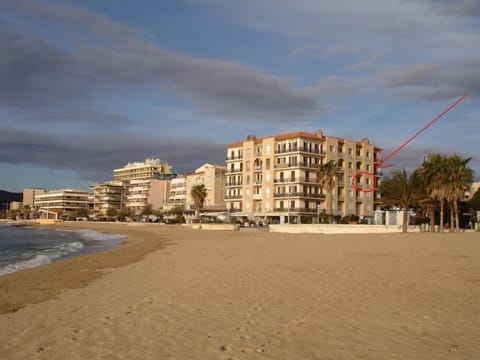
(366, 173)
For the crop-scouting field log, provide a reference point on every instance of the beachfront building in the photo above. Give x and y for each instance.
(213, 176)
(274, 178)
(146, 183)
(29, 196)
(64, 202)
(147, 169)
(108, 197)
(141, 193)
(178, 193)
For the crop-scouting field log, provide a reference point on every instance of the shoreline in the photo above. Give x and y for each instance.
(19, 289)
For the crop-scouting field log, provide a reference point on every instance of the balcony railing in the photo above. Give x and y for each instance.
(231, 171)
(234, 183)
(300, 149)
(295, 210)
(230, 158)
(298, 194)
(233, 197)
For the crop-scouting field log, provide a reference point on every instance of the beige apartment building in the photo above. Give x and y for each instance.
(64, 202)
(274, 178)
(213, 176)
(29, 196)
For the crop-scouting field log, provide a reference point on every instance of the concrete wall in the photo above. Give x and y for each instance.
(229, 227)
(339, 228)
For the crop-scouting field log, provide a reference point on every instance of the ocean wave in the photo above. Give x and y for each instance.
(46, 257)
(27, 264)
(93, 235)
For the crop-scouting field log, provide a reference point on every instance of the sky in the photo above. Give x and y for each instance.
(87, 86)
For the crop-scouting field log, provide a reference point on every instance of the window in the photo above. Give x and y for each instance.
(267, 164)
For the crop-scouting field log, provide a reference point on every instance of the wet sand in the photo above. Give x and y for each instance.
(176, 293)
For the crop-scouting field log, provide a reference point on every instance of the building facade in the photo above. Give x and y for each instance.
(178, 193)
(29, 196)
(148, 169)
(213, 176)
(276, 178)
(108, 197)
(145, 183)
(64, 202)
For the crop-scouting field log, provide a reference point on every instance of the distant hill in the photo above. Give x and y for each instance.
(6, 196)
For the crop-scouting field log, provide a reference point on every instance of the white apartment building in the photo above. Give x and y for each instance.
(178, 193)
(148, 169)
(108, 197)
(64, 202)
(274, 178)
(145, 183)
(141, 193)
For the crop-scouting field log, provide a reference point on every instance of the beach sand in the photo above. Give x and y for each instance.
(176, 293)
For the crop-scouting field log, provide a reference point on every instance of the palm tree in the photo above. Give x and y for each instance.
(435, 175)
(198, 193)
(447, 179)
(401, 190)
(326, 174)
(460, 176)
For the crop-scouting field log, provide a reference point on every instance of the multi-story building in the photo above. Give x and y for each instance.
(276, 178)
(213, 177)
(141, 193)
(108, 197)
(178, 193)
(146, 183)
(148, 169)
(64, 202)
(29, 196)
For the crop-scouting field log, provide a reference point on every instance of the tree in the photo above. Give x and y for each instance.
(198, 194)
(447, 179)
(326, 174)
(147, 210)
(459, 178)
(401, 190)
(434, 174)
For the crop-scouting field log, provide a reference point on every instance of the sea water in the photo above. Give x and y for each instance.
(27, 247)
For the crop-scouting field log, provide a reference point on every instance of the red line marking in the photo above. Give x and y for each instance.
(381, 163)
(411, 138)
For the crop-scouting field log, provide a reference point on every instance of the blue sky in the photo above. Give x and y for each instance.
(87, 86)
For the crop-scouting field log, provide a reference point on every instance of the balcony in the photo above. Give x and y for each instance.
(296, 210)
(257, 196)
(233, 171)
(298, 194)
(300, 149)
(234, 184)
(233, 197)
(231, 158)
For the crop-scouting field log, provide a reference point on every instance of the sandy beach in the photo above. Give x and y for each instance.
(175, 293)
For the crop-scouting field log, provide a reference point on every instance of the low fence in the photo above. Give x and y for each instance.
(207, 226)
(339, 228)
